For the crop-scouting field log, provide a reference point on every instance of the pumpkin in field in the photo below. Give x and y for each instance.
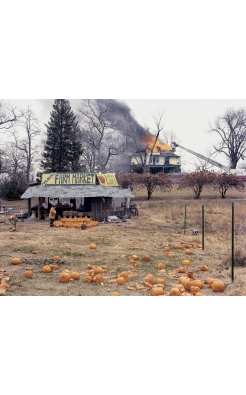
(160, 281)
(160, 266)
(53, 266)
(99, 280)
(125, 275)
(145, 258)
(114, 294)
(188, 284)
(218, 286)
(149, 279)
(174, 292)
(93, 246)
(98, 270)
(28, 274)
(166, 249)
(15, 261)
(198, 283)
(204, 268)
(194, 289)
(56, 258)
(134, 257)
(120, 281)
(171, 255)
(156, 291)
(181, 270)
(46, 269)
(74, 275)
(188, 252)
(186, 262)
(64, 277)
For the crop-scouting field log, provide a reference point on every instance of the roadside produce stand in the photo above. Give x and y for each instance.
(98, 192)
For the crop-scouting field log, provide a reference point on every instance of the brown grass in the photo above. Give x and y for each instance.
(147, 233)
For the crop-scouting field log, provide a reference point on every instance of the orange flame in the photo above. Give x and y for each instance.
(150, 139)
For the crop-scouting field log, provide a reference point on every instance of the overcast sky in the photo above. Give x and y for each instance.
(189, 119)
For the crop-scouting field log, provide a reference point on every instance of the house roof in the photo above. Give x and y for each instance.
(160, 153)
(71, 191)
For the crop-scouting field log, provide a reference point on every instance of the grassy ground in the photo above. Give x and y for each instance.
(160, 222)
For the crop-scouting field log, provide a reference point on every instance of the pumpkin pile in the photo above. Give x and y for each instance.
(94, 275)
(75, 223)
(3, 282)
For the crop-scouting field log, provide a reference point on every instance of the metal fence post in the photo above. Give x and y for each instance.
(232, 243)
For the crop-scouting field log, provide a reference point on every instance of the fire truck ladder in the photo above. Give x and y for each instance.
(209, 160)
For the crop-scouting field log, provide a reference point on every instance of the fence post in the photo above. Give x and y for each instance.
(232, 242)
(202, 227)
(185, 220)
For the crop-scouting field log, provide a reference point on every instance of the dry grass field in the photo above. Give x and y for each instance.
(160, 223)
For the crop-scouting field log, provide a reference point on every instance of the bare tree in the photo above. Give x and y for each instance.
(102, 137)
(27, 145)
(231, 129)
(8, 115)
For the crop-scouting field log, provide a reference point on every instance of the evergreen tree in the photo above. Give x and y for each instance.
(63, 147)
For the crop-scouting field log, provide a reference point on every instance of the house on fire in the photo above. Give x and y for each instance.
(164, 161)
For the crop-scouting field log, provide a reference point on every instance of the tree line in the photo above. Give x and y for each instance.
(96, 138)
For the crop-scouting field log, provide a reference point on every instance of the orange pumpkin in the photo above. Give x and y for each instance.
(145, 258)
(149, 279)
(134, 257)
(204, 268)
(194, 289)
(98, 270)
(198, 283)
(218, 286)
(186, 262)
(64, 277)
(75, 275)
(114, 294)
(120, 281)
(160, 266)
(188, 252)
(28, 274)
(99, 280)
(56, 258)
(15, 261)
(53, 266)
(46, 269)
(160, 281)
(181, 270)
(156, 291)
(93, 246)
(174, 292)
(125, 275)
(166, 249)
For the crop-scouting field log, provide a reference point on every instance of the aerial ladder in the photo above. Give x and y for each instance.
(209, 160)
(239, 172)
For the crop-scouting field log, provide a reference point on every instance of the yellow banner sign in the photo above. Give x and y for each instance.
(68, 178)
(108, 180)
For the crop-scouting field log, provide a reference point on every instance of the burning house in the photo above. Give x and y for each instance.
(163, 159)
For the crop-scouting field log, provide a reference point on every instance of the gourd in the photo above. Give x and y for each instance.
(15, 261)
(186, 262)
(64, 277)
(93, 246)
(125, 275)
(28, 274)
(75, 275)
(160, 266)
(149, 279)
(218, 286)
(120, 281)
(46, 269)
(56, 258)
(156, 291)
(174, 292)
(145, 258)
